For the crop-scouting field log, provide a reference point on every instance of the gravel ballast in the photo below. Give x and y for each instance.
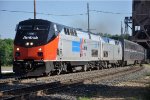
(134, 86)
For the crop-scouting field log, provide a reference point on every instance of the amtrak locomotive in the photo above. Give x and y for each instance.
(42, 47)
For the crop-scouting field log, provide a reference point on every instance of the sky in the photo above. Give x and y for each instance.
(100, 22)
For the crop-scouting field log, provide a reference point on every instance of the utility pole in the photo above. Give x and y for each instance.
(121, 29)
(88, 17)
(34, 9)
(122, 35)
(88, 20)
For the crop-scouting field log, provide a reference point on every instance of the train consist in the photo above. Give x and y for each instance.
(42, 47)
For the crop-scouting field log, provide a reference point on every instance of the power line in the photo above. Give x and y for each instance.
(80, 14)
(108, 12)
(15, 11)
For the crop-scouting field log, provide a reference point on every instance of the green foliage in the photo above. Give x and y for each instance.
(116, 37)
(6, 51)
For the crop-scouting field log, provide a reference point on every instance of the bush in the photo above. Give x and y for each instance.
(6, 52)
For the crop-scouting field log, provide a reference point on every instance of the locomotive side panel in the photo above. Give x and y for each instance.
(118, 51)
(69, 48)
(107, 51)
(111, 50)
(50, 50)
(78, 48)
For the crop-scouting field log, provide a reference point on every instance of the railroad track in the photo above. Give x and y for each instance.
(14, 79)
(42, 85)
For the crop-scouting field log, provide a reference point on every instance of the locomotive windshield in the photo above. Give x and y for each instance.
(36, 27)
(36, 32)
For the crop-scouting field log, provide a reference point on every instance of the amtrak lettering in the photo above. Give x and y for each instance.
(30, 37)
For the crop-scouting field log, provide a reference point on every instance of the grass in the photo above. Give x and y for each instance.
(147, 95)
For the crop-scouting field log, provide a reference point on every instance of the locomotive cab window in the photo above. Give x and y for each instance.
(40, 27)
(25, 27)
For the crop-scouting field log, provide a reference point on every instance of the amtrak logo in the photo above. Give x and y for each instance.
(30, 37)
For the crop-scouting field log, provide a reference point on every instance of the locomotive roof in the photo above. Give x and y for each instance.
(46, 22)
(35, 21)
(131, 42)
(42, 21)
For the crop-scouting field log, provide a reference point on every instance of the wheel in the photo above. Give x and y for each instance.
(58, 72)
(98, 68)
(106, 65)
(85, 68)
(49, 74)
(90, 69)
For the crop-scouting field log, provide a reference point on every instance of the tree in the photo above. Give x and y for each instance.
(6, 51)
(116, 37)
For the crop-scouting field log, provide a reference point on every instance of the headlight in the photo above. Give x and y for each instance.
(27, 43)
(18, 49)
(40, 49)
(31, 43)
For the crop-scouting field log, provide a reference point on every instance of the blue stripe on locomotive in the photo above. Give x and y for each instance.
(76, 46)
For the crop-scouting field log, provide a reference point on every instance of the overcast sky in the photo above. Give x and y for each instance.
(107, 19)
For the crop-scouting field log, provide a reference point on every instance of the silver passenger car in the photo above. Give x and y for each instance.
(132, 52)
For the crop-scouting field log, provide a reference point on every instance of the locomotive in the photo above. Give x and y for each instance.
(42, 47)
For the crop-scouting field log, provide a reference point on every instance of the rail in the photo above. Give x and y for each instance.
(25, 92)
